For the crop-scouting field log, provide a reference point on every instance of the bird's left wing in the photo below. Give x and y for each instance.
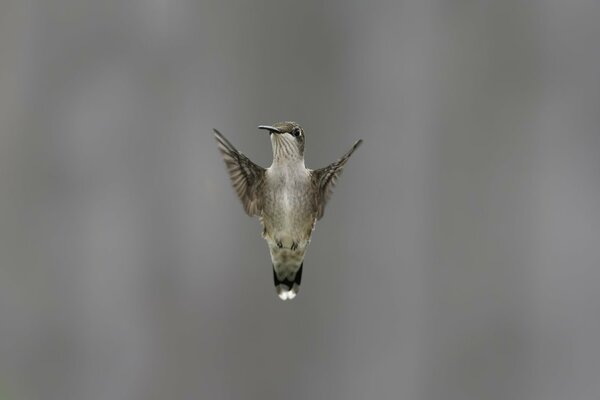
(246, 177)
(324, 180)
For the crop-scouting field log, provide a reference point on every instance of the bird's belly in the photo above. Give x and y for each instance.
(288, 220)
(289, 229)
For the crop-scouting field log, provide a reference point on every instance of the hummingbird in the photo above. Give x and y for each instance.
(287, 197)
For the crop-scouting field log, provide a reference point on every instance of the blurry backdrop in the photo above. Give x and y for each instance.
(459, 257)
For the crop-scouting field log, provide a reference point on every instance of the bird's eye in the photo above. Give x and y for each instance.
(296, 132)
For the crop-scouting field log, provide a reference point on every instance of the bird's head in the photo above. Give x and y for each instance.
(287, 139)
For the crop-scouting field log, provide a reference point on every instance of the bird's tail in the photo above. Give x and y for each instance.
(288, 287)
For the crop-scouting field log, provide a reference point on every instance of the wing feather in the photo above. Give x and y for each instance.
(246, 176)
(324, 180)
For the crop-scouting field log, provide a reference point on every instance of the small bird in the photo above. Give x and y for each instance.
(287, 197)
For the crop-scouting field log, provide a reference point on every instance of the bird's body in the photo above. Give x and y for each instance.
(288, 217)
(287, 197)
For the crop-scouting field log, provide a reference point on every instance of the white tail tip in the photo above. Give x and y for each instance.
(286, 293)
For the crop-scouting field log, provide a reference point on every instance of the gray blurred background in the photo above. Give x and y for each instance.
(458, 258)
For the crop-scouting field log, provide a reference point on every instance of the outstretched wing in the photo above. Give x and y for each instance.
(324, 179)
(246, 177)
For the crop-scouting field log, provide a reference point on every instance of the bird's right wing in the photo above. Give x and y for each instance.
(246, 176)
(324, 179)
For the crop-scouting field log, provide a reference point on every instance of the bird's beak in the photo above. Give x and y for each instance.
(271, 129)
